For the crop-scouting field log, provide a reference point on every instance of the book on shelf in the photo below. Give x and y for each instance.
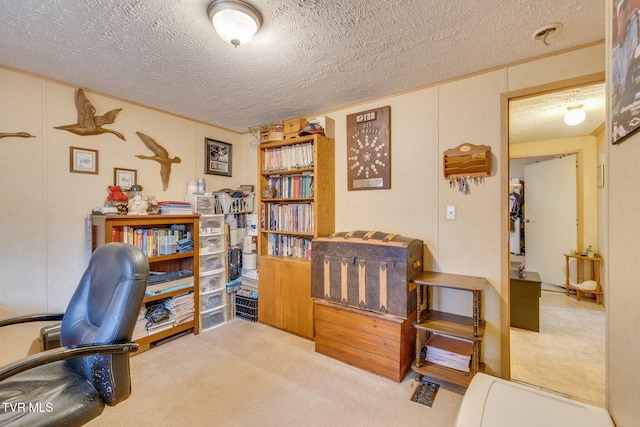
(451, 352)
(289, 246)
(291, 217)
(289, 157)
(292, 186)
(155, 241)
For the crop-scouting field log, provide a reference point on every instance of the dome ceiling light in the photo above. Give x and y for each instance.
(575, 115)
(234, 20)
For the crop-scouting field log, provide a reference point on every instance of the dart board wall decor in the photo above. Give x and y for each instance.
(369, 149)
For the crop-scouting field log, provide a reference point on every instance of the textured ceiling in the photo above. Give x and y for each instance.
(310, 56)
(542, 117)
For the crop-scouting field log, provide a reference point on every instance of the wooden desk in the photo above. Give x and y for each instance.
(524, 302)
(595, 275)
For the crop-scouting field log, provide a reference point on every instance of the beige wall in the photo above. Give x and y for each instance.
(623, 303)
(44, 206)
(424, 124)
(623, 307)
(44, 267)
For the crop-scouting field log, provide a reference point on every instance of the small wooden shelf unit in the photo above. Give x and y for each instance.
(595, 275)
(428, 321)
(103, 231)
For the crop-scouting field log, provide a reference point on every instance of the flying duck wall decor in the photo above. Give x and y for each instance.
(16, 135)
(88, 122)
(161, 156)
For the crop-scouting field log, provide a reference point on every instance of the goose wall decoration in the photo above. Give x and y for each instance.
(16, 135)
(88, 122)
(161, 156)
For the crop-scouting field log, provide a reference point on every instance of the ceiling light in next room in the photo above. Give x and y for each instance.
(234, 20)
(575, 115)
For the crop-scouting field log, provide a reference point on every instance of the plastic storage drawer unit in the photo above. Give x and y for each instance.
(211, 319)
(212, 300)
(212, 282)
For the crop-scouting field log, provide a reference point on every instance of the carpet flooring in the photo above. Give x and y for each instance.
(249, 374)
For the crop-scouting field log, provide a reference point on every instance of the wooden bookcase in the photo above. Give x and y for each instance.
(301, 174)
(469, 328)
(105, 229)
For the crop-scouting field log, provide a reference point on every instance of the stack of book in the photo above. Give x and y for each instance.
(140, 330)
(449, 352)
(181, 308)
(163, 282)
(175, 208)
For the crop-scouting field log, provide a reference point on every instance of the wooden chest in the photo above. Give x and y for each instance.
(382, 344)
(369, 270)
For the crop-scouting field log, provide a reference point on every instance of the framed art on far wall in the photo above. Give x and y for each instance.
(83, 160)
(369, 149)
(217, 157)
(625, 72)
(124, 178)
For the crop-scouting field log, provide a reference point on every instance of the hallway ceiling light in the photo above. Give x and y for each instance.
(234, 20)
(575, 115)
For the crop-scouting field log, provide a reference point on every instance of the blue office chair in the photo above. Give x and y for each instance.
(70, 385)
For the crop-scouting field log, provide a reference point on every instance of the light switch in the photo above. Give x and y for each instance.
(451, 212)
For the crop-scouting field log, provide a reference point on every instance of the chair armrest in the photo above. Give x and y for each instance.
(30, 318)
(63, 353)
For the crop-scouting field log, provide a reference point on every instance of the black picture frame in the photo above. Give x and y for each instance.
(217, 157)
(625, 72)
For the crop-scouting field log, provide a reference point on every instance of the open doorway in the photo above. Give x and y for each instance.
(567, 352)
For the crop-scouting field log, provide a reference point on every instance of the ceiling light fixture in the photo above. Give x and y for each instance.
(575, 115)
(234, 20)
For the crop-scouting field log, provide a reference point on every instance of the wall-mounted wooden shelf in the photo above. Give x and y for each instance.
(467, 160)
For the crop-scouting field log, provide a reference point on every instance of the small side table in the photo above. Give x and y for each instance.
(595, 275)
(524, 300)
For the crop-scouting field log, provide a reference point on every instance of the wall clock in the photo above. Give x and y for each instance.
(369, 149)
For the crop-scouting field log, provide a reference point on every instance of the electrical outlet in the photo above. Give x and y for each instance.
(451, 212)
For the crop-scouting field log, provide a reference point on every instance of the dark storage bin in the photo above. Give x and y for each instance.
(247, 308)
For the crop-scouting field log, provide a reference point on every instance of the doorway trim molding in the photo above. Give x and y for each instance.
(505, 347)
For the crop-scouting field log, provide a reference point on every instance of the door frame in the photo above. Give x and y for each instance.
(585, 156)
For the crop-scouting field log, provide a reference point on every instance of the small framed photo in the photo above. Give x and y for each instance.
(246, 189)
(217, 157)
(83, 160)
(124, 178)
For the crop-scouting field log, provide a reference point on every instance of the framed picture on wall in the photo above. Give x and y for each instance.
(83, 160)
(124, 178)
(625, 72)
(369, 149)
(217, 157)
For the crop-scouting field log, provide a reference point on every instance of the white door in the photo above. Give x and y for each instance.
(550, 216)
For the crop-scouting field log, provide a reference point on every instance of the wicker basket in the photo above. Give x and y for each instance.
(236, 205)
